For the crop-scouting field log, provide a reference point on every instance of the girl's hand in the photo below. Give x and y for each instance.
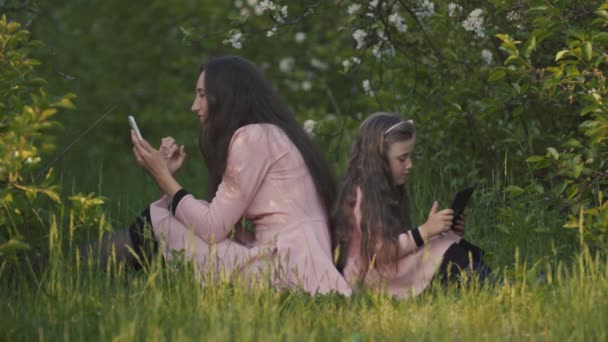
(437, 222)
(173, 153)
(459, 226)
(150, 159)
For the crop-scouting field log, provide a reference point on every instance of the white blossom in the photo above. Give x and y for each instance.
(352, 9)
(235, 40)
(347, 63)
(359, 36)
(376, 51)
(284, 11)
(238, 3)
(398, 21)
(425, 10)
(513, 16)
(299, 37)
(252, 2)
(306, 85)
(454, 9)
(271, 32)
(286, 64)
(263, 6)
(318, 64)
(373, 3)
(474, 22)
(486, 55)
(309, 126)
(367, 87)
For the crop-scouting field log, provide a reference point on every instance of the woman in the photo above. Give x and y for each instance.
(262, 167)
(379, 246)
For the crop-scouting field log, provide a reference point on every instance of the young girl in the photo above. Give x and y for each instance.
(263, 167)
(377, 243)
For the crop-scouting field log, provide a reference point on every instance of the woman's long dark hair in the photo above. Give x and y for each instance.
(385, 208)
(238, 94)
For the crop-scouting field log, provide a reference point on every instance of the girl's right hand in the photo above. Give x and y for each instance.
(437, 222)
(173, 153)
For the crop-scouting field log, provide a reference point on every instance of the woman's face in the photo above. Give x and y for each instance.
(199, 107)
(399, 157)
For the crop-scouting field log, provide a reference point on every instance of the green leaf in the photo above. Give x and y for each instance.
(553, 152)
(503, 37)
(513, 190)
(572, 71)
(496, 75)
(12, 246)
(602, 13)
(535, 159)
(573, 143)
(562, 54)
(529, 46)
(515, 60)
(601, 37)
(587, 51)
(557, 72)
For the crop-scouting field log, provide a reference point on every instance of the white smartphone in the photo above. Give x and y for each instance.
(134, 126)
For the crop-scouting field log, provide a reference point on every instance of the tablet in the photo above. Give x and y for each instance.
(459, 203)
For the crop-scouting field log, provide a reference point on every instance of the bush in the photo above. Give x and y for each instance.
(26, 113)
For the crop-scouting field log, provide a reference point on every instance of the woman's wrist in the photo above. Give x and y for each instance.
(168, 184)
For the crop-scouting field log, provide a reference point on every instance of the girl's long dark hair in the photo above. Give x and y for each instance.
(385, 208)
(238, 94)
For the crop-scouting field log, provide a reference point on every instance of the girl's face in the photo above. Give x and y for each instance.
(399, 157)
(199, 107)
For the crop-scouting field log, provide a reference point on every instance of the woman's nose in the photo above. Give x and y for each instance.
(195, 107)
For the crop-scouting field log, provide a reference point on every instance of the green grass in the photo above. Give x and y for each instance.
(553, 288)
(72, 301)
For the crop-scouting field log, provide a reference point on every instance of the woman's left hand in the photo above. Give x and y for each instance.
(149, 158)
(459, 226)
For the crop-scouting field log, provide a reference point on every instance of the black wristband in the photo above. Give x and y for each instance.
(176, 199)
(417, 237)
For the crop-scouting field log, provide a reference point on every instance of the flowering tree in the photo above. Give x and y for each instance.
(486, 82)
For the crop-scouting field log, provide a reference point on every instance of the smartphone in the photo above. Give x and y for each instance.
(459, 203)
(134, 126)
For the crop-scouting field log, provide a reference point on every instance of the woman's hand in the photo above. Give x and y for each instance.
(173, 153)
(150, 159)
(155, 164)
(437, 222)
(459, 226)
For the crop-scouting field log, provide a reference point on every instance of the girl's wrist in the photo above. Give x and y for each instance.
(424, 233)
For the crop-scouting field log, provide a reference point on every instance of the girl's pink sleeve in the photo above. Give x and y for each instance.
(407, 244)
(249, 159)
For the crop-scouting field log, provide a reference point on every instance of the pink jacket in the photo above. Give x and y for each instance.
(266, 181)
(415, 267)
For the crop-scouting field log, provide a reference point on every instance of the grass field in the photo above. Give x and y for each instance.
(552, 288)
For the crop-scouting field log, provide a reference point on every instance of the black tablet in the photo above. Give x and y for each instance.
(459, 203)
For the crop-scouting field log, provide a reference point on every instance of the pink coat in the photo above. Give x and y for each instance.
(415, 267)
(266, 181)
